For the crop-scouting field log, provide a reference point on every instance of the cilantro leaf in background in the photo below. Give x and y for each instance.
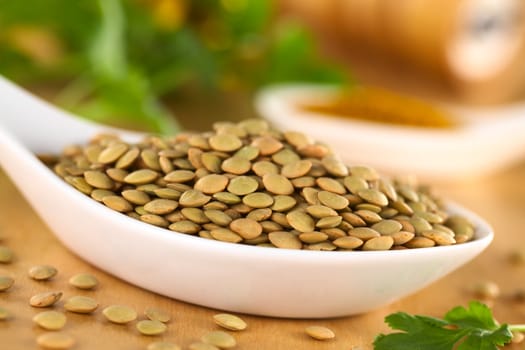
(114, 61)
(472, 328)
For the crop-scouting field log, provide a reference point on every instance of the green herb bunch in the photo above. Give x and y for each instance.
(471, 328)
(116, 59)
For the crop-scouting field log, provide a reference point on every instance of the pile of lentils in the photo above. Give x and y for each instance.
(250, 184)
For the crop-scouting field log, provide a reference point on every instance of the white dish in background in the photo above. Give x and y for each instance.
(488, 139)
(227, 276)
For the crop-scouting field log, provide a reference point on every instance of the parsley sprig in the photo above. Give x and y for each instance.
(471, 328)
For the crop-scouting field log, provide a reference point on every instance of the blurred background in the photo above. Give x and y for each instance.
(167, 65)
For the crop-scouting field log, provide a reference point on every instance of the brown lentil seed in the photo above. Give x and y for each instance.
(219, 339)
(161, 206)
(117, 203)
(225, 142)
(329, 222)
(6, 282)
(387, 227)
(439, 237)
(211, 162)
(271, 226)
(296, 169)
(241, 208)
(332, 200)
(323, 246)
(283, 203)
(242, 185)
(431, 217)
(50, 320)
(319, 332)
(310, 195)
(285, 240)
(247, 152)
(193, 198)
(297, 139)
(334, 233)
(254, 126)
(156, 314)
(444, 229)
(79, 183)
(55, 341)
(264, 167)
(194, 214)
(260, 214)
(117, 174)
(112, 153)
(486, 290)
(364, 172)
(218, 217)
(258, 200)
(140, 177)
(98, 179)
(402, 207)
(230, 322)
(119, 314)
(420, 242)
(379, 243)
(369, 216)
(303, 181)
(45, 299)
(374, 197)
(267, 145)
(179, 176)
(388, 189)
(353, 219)
(348, 242)
(401, 237)
(300, 221)
(368, 206)
(313, 237)
(331, 185)
(320, 211)
(42, 272)
(236, 165)
(334, 165)
(194, 157)
(83, 281)
(388, 213)
(420, 225)
(185, 226)
(227, 198)
(225, 235)
(136, 197)
(285, 156)
(81, 304)
(277, 184)
(98, 194)
(151, 327)
(246, 228)
(154, 219)
(363, 233)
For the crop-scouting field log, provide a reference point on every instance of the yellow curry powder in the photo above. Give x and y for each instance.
(378, 105)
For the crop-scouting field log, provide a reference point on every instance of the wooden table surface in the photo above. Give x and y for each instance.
(499, 198)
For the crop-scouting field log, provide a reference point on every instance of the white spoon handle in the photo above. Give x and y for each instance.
(41, 126)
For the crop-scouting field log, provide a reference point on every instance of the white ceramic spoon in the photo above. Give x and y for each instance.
(247, 279)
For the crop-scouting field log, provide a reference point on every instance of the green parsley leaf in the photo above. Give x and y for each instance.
(472, 328)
